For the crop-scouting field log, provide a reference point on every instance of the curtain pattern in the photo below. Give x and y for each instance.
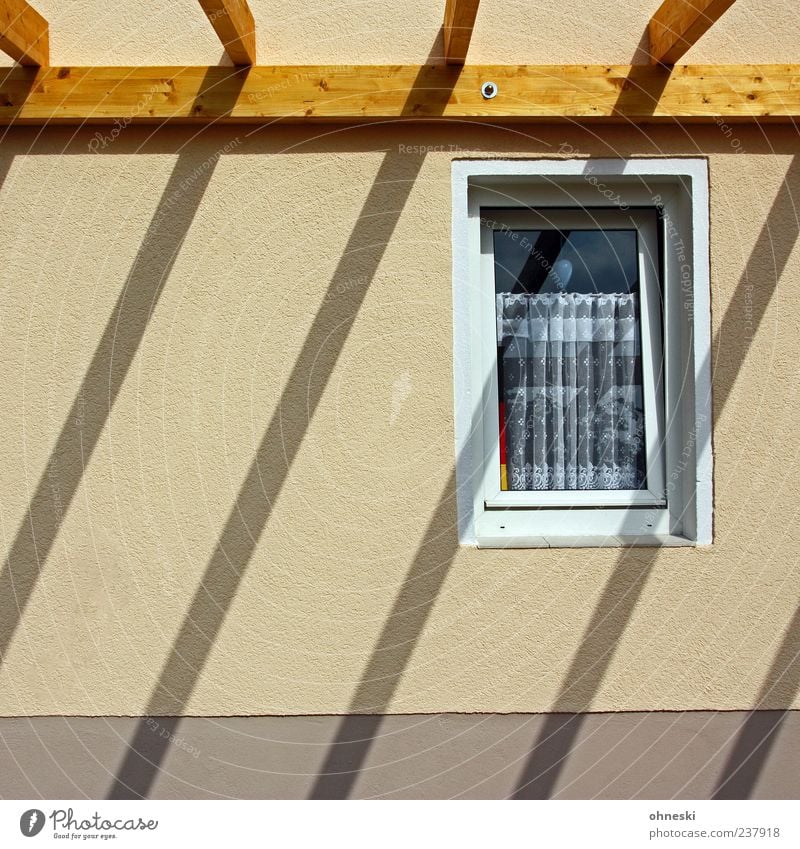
(571, 382)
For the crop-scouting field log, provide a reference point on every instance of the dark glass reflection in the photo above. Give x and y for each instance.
(582, 261)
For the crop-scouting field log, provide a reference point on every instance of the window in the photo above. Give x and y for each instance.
(579, 365)
(581, 352)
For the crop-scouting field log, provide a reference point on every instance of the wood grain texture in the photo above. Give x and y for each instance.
(678, 24)
(23, 33)
(459, 21)
(233, 22)
(261, 94)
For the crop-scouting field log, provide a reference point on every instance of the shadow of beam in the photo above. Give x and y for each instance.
(641, 90)
(549, 754)
(757, 737)
(774, 246)
(425, 576)
(612, 613)
(393, 650)
(16, 84)
(269, 470)
(103, 380)
(415, 600)
(99, 389)
(412, 606)
(586, 672)
(756, 287)
(265, 479)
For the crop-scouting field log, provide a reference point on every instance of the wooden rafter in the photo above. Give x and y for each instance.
(459, 21)
(23, 33)
(234, 24)
(678, 24)
(261, 94)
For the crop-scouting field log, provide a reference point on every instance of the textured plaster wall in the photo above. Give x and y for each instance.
(176, 278)
(101, 32)
(610, 756)
(294, 614)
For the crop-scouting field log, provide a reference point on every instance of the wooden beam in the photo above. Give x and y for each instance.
(459, 21)
(234, 24)
(262, 94)
(678, 24)
(23, 33)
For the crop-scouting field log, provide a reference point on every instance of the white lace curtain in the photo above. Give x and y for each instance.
(571, 383)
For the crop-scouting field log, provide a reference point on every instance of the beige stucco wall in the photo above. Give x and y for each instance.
(102, 32)
(339, 542)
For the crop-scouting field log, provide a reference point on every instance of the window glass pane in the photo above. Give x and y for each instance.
(569, 360)
(571, 260)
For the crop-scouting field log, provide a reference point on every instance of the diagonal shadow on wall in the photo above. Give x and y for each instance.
(103, 380)
(280, 444)
(586, 672)
(751, 749)
(270, 467)
(748, 305)
(608, 622)
(393, 650)
(6, 160)
(756, 287)
(418, 593)
(269, 470)
(759, 731)
(99, 389)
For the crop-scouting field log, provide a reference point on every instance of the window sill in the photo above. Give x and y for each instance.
(644, 541)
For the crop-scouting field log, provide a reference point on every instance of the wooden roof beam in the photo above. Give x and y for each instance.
(349, 94)
(233, 22)
(459, 21)
(679, 24)
(24, 35)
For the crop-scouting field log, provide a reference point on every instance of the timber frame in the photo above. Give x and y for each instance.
(638, 93)
(249, 93)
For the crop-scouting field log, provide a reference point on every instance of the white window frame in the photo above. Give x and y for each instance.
(650, 308)
(678, 508)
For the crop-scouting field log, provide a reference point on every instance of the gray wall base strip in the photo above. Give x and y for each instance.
(694, 755)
